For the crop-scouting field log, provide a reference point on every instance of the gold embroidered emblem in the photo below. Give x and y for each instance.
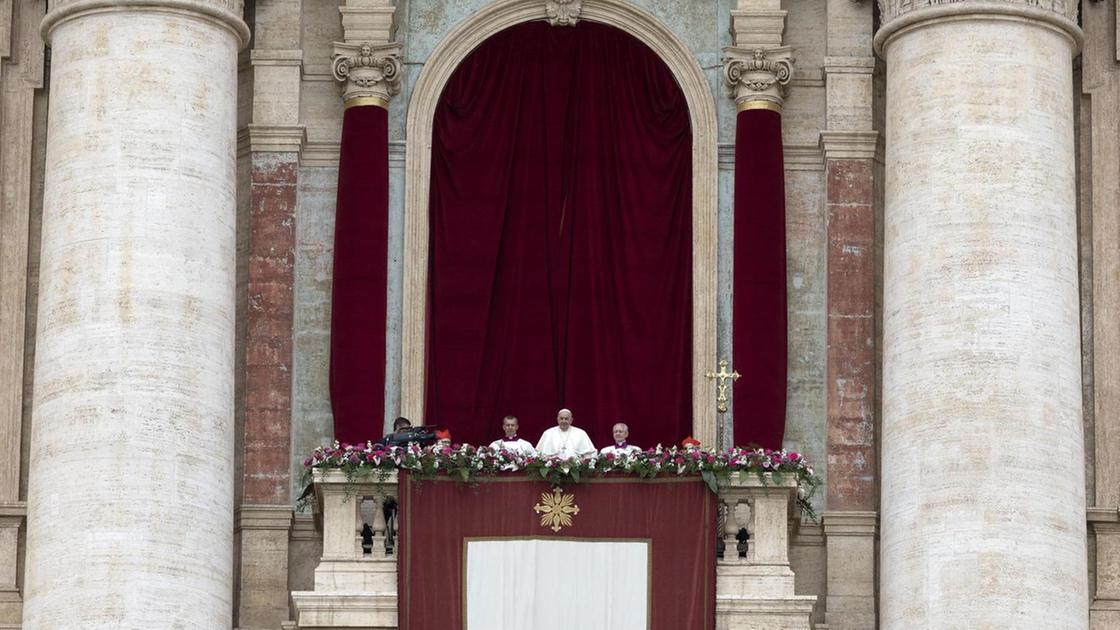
(557, 509)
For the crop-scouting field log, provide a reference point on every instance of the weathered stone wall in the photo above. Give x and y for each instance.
(1099, 180)
(22, 109)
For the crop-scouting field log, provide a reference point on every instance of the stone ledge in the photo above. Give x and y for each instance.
(276, 138)
(266, 57)
(345, 610)
(859, 145)
(263, 517)
(16, 509)
(797, 157)
(849, 65)
(1102, 515)
(850, 523)
(798, 604)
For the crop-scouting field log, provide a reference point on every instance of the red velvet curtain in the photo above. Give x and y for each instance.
(677, 516)
(358, 293)
(759, 293)
(560, 268)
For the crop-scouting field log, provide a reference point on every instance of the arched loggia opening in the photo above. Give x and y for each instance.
(701, 116)
(560, 249)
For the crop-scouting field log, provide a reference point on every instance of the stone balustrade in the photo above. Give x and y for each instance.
(355, 589)
(757, 591)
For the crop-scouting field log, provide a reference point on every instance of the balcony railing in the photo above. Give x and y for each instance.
(356, 588)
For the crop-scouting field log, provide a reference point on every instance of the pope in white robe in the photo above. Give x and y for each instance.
(510, 441)
(564, 440)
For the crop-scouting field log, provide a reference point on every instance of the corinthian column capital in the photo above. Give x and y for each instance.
(757, 77)
(368, 70)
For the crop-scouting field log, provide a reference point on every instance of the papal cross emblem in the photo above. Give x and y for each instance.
(556, 509)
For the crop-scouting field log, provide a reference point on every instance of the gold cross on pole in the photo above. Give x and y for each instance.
(721, 384)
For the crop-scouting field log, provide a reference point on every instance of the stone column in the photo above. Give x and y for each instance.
(983, 495)
(130, 501)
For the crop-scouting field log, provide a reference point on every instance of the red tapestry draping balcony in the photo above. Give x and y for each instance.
(513, 552)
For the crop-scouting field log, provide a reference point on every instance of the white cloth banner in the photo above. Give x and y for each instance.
(557, 585)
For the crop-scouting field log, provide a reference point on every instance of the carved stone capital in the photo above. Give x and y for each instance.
(757, 75)
(891, 9)
(900, 16)
(563, 12)
(368, 70)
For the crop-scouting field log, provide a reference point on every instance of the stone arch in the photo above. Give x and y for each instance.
(438, 68)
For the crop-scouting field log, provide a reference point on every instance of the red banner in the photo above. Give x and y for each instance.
(676, 515)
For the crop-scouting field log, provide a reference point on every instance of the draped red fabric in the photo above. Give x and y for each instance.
(677, 516)
(759, 284)
(560, 268)
(358, 293)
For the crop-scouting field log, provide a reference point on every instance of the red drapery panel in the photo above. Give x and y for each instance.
(560, 268)
(676, 515)
(358, 293)
(759, 291)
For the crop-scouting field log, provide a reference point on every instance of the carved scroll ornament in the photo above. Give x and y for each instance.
(757, 74)
(563, 12)
(369, 70)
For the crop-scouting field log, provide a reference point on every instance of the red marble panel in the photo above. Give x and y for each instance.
(852, 464)
(268, 382)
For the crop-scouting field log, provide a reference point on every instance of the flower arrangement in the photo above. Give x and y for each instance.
(466, 463)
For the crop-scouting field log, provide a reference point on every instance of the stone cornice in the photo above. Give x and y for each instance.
(797, 157)
(849, 65)
(850, 145)
(903, 15)
(891, 9)
(1102, 515)
(850, 523)
(16, 511)
(259, 57)
(368, 23)
(262, 517)
(290, 138)
(225, 13)
(326, 154)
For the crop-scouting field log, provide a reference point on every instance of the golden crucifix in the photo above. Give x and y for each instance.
(721, 384)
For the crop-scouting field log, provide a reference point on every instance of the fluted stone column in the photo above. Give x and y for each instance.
(130, 504)
(983, 493)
